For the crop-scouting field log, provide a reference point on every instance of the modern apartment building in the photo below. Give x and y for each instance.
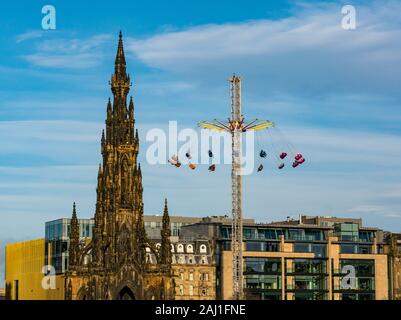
(313, 258)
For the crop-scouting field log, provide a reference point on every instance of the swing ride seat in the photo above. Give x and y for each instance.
(302, 160)
(298, 156)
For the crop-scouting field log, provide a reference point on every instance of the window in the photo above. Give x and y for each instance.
(363, 268)
(226, 246)
(182, 275)
(181, 290)
(180, 248)
(226, 232)
(314, 235)
(191, 276)
(310, 296)
(203, 248)
(190, 248)
(363, 249)
(358, 296)
(347, 248)
(301, 247)
(347, 231)
(204, 276)
(262, 265)
(191, 290)
(262, 282)
(318, 249)
(309, 266)
(356, 248)
(262, 246)
(249, 233)
(295, 234)
(203, 292)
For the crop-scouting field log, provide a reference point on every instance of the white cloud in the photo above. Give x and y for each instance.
(303, 53)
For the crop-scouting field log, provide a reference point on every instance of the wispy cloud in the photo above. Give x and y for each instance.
(29, 35)
(384, 211)
(69, 53)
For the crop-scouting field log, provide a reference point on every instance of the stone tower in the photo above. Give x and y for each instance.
(112, 265)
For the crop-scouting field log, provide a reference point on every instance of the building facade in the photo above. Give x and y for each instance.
(113, 265)
(302, 260)
(193, 269)
(26, 268)
(57, 240)
(153, 224)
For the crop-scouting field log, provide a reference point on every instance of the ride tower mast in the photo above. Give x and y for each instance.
(236, 126)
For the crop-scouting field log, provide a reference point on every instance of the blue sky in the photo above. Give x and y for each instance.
(335, 93)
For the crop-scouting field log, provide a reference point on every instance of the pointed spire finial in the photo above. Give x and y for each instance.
(165, 212)
(74, 211)
(131, 106)
(120, 56)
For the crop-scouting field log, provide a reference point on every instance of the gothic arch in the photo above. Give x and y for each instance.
(126, 291)
(126, 294)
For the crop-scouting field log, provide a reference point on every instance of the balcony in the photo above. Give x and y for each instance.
(293, 287)
(294, 272)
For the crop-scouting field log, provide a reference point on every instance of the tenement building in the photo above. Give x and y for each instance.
(192, 261)
(313, 258)
(113, 264)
